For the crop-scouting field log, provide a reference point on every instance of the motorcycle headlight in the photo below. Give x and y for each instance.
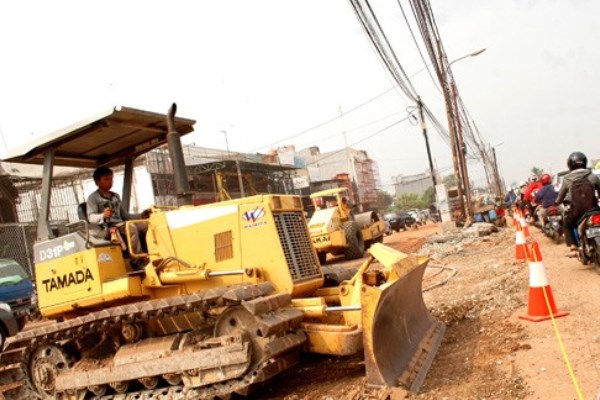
(5, 307)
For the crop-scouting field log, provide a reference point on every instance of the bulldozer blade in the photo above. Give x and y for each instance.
(400, 336)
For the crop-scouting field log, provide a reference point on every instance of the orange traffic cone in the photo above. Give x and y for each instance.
(518, 217)
(525, 228)
(515, 217)
(520, 251)
(538, 309)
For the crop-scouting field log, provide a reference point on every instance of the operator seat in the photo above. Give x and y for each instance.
(93, 233)
(100, 238)
(82, 212)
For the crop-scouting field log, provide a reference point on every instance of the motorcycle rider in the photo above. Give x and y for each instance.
(520, 192)
(528, 196)
(545, 197)
(581, 195)
(510, 197)
(533, 186)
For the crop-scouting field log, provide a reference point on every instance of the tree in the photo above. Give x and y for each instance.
(449, 180)
(537, 171)
(384, 200)
(428, 197)
(408, 200)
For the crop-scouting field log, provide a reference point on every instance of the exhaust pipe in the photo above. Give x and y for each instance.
(182, 186)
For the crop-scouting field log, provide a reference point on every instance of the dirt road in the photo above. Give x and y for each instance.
(487, 352)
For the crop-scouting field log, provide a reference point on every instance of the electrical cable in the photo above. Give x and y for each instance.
(401, 80)
(442, 267)
(435, 83)
(325, 122)
(328, 155)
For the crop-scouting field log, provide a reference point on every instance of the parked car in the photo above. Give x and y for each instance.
(416, 214)
(408, 220)
(16, 290)
(401, 220)
(8, 323)
(388, 228)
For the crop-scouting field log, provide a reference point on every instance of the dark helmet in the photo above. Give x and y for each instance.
(545, 179)
(576, 160)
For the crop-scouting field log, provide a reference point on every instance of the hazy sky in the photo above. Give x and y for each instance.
(265, 71)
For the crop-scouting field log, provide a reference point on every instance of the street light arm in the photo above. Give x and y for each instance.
(474, 54)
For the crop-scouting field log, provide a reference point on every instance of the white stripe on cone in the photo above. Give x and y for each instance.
(520, 238)
(523, 222)
(537, 275)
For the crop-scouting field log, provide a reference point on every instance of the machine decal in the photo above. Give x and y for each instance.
(56, 251)
(321, 239)
(254, 217)
(104, 258)
(72, 278)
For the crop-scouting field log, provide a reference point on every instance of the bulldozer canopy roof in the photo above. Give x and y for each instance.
(106, 139)
(328, 192)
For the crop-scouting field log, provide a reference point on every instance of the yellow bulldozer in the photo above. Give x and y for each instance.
(228, 295)
(335, 229)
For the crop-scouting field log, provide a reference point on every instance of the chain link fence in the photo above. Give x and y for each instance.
(16, 242)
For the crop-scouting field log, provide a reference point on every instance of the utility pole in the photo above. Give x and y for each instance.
(453, 140)
(488, 167)
(424, 128)
(461, 157)
(237, 166)
(458, 146)
(496, 174)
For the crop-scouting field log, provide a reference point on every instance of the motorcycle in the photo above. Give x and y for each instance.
(553, 226)
(588, 236)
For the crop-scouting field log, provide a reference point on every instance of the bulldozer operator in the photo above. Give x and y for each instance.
(105, 209)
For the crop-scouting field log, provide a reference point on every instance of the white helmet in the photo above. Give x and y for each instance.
(533, 178)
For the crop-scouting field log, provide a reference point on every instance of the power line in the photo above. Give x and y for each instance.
(373, 29)
(359, 141)
(322, 139)
(435, 83)
(339, 115)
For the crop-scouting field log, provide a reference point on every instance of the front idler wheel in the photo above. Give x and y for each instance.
(45, 364)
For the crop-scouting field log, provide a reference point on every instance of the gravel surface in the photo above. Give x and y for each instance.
(477, 289)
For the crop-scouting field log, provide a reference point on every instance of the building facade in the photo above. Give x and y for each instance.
(417, 183)
(341, 165)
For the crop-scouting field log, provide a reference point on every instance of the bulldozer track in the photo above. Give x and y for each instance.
(14, 372)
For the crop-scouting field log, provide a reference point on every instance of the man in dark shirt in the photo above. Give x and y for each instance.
(577, 163)
(545, 197)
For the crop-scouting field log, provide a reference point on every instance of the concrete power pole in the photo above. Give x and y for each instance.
(497, 182)
(424, 128)
(453, 140)
(462, 151)
(458, 145)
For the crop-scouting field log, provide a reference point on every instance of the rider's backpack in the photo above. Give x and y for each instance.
(583, 196)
